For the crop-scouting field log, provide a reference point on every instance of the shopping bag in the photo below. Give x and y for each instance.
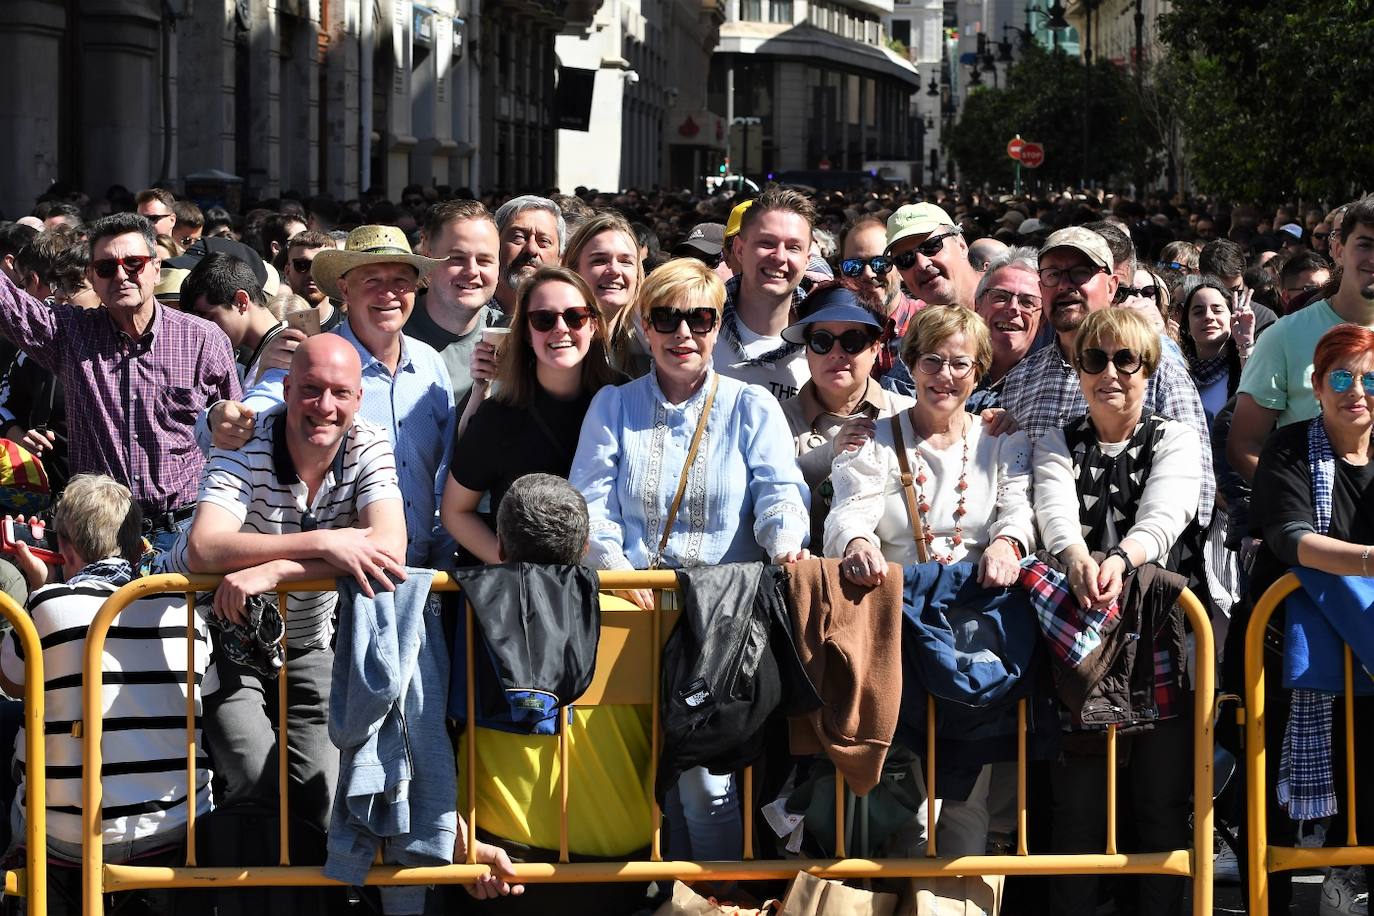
(960, 896)
(812, 896)
(687, 902)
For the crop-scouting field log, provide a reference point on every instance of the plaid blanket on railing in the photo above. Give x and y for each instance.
(1072, 633)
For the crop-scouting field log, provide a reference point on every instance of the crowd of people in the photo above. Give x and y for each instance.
(1057, 407)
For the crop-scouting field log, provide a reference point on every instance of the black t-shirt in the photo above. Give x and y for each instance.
(1283, 493)
(503, 443)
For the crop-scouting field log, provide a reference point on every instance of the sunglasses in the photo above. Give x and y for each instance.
(545, 320)
(959, 366)
(1171, 265)
(853, 341)
(301, 265)
(1094, 361)
(133, 266)
(930, 248)
(853, 267)
(1125, 292)
(666, 320)
(1341, 380)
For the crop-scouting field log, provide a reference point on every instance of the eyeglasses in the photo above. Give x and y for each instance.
(1094, 361)
(1052, 277)
(1005, 297)
(932, 364)
(1125, 292)
(930, 248)
(1300, 290)
(301, 265)
(879, 264)
(1340, 381)
(666, 320)
(133, 266)
(545, 320)
(853, 341)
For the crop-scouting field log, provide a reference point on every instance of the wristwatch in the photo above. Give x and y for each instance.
(1117, 551)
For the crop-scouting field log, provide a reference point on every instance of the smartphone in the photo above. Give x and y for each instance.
(307, 321)
(42, 543)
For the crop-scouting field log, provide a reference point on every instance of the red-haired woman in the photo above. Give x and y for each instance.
(1318, 512)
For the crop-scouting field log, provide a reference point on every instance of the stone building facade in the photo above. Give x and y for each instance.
(314, 96)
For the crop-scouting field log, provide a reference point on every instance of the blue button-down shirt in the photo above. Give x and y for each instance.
(415, 407)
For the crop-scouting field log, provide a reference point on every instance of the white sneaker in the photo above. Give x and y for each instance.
(1344, 893)
(1225, 868)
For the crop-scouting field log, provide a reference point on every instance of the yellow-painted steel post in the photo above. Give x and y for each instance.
(35, 759)
(1256, 789)
(1204, 689)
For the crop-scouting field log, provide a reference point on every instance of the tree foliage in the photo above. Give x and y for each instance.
(1044, 100)
(1271, 93)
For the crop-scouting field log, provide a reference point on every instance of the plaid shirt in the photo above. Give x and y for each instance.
(1042, 393)
(1071, 633)
(131, 404)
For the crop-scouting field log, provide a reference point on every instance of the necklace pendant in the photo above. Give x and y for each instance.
(960, 512)
(921, 479)
(956, 540)
(924, 507)
(961, 485)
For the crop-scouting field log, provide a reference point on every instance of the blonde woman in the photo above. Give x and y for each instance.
(605, 253)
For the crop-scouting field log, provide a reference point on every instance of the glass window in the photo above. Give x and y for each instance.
(780, 11)
(751, 10)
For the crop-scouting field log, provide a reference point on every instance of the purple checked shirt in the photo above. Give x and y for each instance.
(131, 404)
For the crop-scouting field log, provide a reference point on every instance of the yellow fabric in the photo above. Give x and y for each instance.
(608, 795)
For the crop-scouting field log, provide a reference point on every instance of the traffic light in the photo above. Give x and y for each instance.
(722, 168)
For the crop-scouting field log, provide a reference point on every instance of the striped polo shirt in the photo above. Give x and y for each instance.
(144, 710)
(258, 484)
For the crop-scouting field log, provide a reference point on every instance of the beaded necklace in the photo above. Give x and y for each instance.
(923, 504)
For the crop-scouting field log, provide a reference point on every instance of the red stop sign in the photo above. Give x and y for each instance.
(1032, 155)
(1014, 148)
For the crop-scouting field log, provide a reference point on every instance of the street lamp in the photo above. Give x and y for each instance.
(975, 76)
(933, 88)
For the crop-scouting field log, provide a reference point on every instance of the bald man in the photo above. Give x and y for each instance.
(313, 493)
(983, 252)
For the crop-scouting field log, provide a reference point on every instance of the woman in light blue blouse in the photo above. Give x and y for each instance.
(745, 498)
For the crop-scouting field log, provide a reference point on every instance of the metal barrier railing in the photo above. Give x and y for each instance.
(32, 880)
(628, 674)
(1263, 858)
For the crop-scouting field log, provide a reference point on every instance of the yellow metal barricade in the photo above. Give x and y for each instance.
(627, 673)
(1264, 858)
(32, 880)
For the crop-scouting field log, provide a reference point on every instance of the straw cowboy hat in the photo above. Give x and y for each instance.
(366, 245)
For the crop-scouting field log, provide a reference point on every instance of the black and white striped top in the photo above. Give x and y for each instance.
(259, 486)
(145, 662)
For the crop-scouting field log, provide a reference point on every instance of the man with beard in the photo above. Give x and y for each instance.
(1008, 299)
(533, 234)
(931, 255)
(300, 255)
(1042, 392)
(457, 302)
(1276, 385)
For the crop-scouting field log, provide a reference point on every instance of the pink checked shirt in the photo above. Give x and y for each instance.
(131, 404)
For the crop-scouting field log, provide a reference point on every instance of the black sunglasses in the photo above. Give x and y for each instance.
(930, 248)
(301, 265)
(1125, 292)
(1094, 361)
(853, 341)
(545, 320)
(879, 264)
(666, 320)
(133, 266)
